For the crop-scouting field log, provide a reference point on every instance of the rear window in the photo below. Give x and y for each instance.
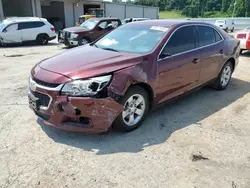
(206, 35)
(30, 25)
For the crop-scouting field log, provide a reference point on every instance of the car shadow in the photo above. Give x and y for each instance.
(29, 45)
(159, 125)
(246, 53)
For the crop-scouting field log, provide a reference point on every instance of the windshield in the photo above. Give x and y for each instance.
(133, 38)
(89, 24)
(2, 25)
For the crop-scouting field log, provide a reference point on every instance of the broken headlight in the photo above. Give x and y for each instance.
(86, 88)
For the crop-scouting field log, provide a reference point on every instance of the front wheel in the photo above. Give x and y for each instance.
(224, 77)
(83, 41)
(136, 106)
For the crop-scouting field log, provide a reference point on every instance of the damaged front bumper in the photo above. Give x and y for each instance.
(81, 114)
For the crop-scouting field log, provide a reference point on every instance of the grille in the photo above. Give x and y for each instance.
(66, 34)
(46, 84)
(44, 99)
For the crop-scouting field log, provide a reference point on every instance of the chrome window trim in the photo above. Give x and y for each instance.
(222, 39)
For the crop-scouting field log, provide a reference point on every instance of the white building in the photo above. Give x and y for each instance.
(69, 10)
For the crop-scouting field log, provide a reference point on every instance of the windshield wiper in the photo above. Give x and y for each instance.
(110, 49)
(93, 44)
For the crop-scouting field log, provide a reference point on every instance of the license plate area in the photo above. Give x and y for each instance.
(34, 102)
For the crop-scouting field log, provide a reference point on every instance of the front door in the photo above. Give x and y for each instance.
(178, 64)
(11, 34)
(100, 30)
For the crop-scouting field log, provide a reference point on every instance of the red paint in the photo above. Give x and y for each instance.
(164, 79)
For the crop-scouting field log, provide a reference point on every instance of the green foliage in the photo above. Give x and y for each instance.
(171, 14)
(201, 8)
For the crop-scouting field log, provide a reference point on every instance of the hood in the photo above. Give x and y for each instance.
(88, 61)
(76, 29)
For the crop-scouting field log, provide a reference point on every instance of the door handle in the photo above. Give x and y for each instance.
(221, 51)
(195, 61)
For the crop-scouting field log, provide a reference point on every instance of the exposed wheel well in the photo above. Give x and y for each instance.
(149, 90)
(233, 62)
(42, 34)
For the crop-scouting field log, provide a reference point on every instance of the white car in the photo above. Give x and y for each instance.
(26, 29)
(244, 37)
(227, 25)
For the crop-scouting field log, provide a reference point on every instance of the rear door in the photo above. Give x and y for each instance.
(178, 64)
(11, 34)
(30, 30)
(211, 44)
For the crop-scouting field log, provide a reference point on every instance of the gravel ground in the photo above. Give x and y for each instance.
(199, 141)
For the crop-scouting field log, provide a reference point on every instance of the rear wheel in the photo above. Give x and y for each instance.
(2, 42)
(42, 39)
(136, 106)
(224, 77)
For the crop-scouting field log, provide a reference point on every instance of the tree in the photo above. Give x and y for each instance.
(240, 10)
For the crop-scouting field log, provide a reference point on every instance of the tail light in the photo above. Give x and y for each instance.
(248, 42)
(241, 36)
(52, 29)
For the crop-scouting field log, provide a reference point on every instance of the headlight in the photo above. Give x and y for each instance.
(89, 87)
(73, 35)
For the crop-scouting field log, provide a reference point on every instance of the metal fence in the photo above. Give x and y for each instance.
(240, 23)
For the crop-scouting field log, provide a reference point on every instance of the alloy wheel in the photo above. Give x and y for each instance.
(226, 75)
(134, 109)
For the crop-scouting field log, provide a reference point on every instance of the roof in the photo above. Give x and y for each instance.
(22, 19)
(98, 19)
(168, 22)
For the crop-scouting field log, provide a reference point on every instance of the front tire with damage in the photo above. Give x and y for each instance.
(136, 106)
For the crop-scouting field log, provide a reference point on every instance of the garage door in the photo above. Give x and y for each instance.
(17, 8)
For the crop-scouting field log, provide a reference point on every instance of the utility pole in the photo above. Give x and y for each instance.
(235, 3)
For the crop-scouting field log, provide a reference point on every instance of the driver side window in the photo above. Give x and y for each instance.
(12, 28)
(103, 25)
(181, 41)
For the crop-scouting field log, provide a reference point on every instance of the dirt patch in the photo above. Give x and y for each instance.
(198, 158)
(240, 108)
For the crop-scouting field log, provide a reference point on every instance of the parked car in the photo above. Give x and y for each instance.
(89, 31)
(117, 80)
(128, 20)
(244, 37)
(226, 25)
(25, 30)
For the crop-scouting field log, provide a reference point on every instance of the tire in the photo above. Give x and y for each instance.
(42, 39)
(224, 77)
(83, 41)
(232, 30)
(2, 42)
(129, 119)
